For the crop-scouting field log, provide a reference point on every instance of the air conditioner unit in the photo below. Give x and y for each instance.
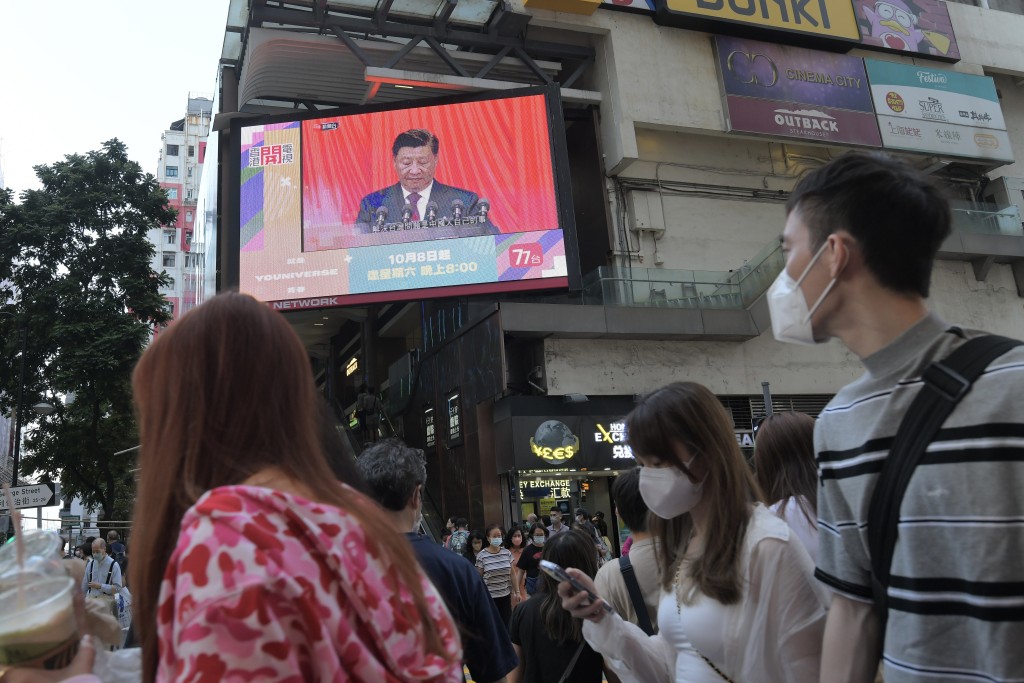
(644, 212)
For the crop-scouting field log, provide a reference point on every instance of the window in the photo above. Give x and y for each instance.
(168, 260)
(191, 150)
(188, 216)
(172, 192)
(172, 171)
(191, 260)
(190, 172)
(170, 237)
(172, 150)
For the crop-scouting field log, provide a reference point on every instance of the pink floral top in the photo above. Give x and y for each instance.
(264, 585)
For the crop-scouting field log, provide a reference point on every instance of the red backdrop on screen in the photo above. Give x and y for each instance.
(499, 149)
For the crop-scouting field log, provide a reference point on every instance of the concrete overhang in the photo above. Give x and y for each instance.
(323, 70)
(527, 320)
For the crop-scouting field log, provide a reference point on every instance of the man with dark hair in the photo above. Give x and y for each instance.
(860, 240)
(556, 527)
(611, 585)
(417, 196)
(396, 475)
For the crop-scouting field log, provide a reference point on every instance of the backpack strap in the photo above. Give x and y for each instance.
(636, 596)
(946, 382)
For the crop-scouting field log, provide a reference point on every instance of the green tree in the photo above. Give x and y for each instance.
(75, 274)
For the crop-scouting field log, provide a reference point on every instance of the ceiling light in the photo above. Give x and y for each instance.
(318, 324)
(406, 87)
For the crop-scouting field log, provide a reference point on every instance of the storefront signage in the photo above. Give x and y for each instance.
(614, 434)
(795, 92)
(945, 139)
(831, 19)
(745, 439)
(907, 26)
(544, 488)
(916, 92)
(938, 111)
(554, 442)
(429, 429)
(454, 418)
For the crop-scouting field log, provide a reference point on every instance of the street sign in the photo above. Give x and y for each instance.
(34, 496)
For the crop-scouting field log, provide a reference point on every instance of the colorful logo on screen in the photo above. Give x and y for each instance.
(272, 155)
(554, 442)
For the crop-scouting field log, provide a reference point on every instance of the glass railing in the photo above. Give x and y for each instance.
(667, 288)
(987, 219)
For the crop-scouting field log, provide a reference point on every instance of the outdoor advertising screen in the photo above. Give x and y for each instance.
(451, 197)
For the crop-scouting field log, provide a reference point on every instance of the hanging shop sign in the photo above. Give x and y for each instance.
(937, 111)
(793, 92)
(917, 27)
(809, 22)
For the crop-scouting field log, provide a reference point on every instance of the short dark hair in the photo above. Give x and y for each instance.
(392, 472)
(628, 501)
(582, 511)
(417, 137)
(461, 522)
(898, 216)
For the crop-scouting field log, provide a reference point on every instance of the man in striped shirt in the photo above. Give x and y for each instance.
(860, 239)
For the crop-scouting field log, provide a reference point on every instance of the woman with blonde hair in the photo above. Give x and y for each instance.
(739, 599)
(250, 560)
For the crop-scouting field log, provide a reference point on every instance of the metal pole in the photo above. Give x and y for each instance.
(18, 408)
(767, 392)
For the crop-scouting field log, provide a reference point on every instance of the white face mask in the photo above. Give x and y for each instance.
(668, 492)
(787, 306)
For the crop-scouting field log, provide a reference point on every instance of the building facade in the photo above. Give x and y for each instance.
(679, 169)
(179, 170)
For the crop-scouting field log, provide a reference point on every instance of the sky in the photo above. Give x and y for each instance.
(75, 74)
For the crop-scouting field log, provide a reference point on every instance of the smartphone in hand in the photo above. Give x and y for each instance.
(559, 574)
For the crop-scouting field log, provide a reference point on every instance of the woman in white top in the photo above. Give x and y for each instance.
(785, 468)
(739, 599)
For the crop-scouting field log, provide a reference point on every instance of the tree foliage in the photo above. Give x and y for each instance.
(76, 277)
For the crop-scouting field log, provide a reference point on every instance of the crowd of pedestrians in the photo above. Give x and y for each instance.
(259, 564)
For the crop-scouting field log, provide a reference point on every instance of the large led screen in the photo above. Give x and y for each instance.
(452, 198)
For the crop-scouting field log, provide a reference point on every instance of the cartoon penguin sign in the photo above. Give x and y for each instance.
(914, 26)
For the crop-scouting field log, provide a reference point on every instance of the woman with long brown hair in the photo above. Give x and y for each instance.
(785, 468)
(739, 599)
(250, 560)
(547, 640)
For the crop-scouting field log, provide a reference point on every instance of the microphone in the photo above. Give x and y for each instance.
(458, 208)
(407, 212)
(483, 207)
(380, 215)
(431, 211)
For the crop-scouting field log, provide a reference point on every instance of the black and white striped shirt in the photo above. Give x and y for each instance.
(956, 598)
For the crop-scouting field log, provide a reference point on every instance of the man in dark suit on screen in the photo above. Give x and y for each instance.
(417, 197)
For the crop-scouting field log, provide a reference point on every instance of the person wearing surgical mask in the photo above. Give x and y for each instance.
(527, 567)
(739, 601)
(494, 563)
